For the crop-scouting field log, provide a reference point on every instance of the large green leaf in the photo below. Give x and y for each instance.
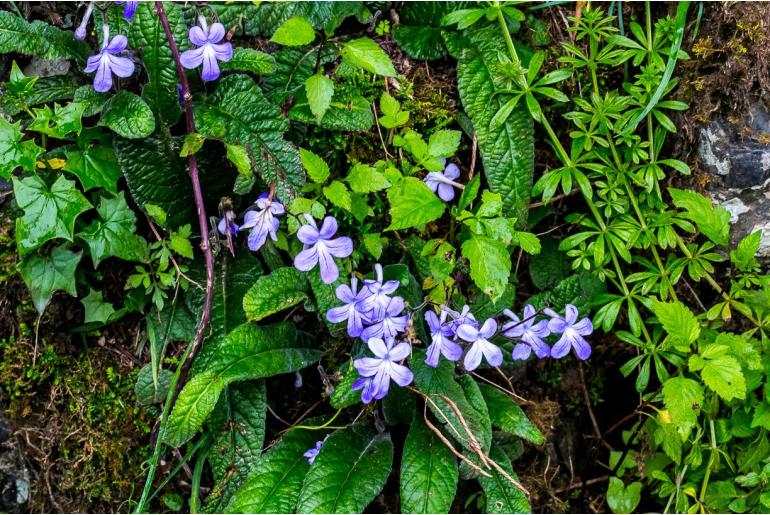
(38, 38)
(156, 176)
(114, 232)
(413, 204)
(508, 416)
(15, 153)
(234, 277)
(712, 221)
(49, 213)
(348, 473)
(428, 472)
(282, 289)
(44, 275)
(248, 352)
(95, 167)
(238, 423)
(128, 115)
(367, 54)
(275, 482)
(239, 114)
(502, 495)
(508, 152)
(147, 33)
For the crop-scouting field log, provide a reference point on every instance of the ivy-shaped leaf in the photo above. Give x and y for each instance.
(114, 233)
(44, 275)
(428, 472)
(348, 473)
(48, 213)
(95, 167)
(248, 352)
(96, 309)
(15, 153)
(282, 289)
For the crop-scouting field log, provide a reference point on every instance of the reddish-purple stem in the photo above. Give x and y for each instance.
(198, 195)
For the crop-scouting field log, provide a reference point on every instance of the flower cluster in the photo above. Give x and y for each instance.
(210, 49)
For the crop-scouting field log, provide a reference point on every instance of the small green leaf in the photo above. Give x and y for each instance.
(678, 321)
(238, 155)
(713, 222)
(58, 122)
(128, 115)
(366, 179)
(156, 213)
(319, 89)
(97, 310)
(249, 60)
(179, 241)
(338, 194)
(348, 473)
(48, 213)
(374, 244)
(490, 264)
(389, 105)
(13, 152)
(296, 31)
(720, 372)
(444, 143)
(282, 289)
(412, 204)
(114, 233)
(508, 416)
(428, 472)
(248, 352)
(366, 53)
(621, 498)
(316, 168)
(147, 391)
(192, 144)
(95, 167)
(683, 399)
(44, 275)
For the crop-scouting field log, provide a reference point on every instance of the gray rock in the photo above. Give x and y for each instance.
(14, 476)
(46, 67)
(740, 166)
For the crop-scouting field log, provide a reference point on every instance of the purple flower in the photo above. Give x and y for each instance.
(209, 50)
(348, 311)
(529, 333)
(391, 323)
(321, 248)
(311, 453)
(377, 372)
(440, 340)
(80, 32)
(227, 224)
(262, 222)
(443, 183)
(107, 62)
(458, 319)
(129, 9)
(377, 295)
(479, 338)
(571, 333)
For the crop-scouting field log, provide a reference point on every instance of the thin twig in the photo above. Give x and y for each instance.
(589, 407)
(449, 445)
(581, 484)
(474, 148)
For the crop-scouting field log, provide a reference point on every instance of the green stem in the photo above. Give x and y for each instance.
(712, 460)
(196, 482)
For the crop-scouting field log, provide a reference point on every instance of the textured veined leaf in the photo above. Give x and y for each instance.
(128, 115)
(720, 371)
(683, 398)
(147, 33)
(274, 484)
(508, 416)
(239, 114)
(508, 151)
(419, 33)
(348, 473)
(347, 112)
(490, 263)
(502, 495)
(282, 289)
(238, 421)
(248, 352)
(367, 54)
(428, 472)
(713, 222)
(250, 60)
(39, 39)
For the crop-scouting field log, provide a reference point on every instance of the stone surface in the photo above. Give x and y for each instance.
(14, 476)
(738, 158)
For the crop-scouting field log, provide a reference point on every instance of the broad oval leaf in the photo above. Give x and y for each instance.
(428, 472)
(348, 473)
(128, 115)
(282, 289)
(248, 352)
(366, 53)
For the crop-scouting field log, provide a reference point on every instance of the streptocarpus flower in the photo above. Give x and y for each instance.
(480, 345)
(443, 183)
(107, 62)
(528, 333)
(321, 247)
(440, 340)
(392, 323)
(262, 222)
(348, 311)
(458, 319)
(378, 293)
(130, 7)
(228, 228)
(209, 50)
(376, 373)
(572, 333)
(80, 32)
(311, 453)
